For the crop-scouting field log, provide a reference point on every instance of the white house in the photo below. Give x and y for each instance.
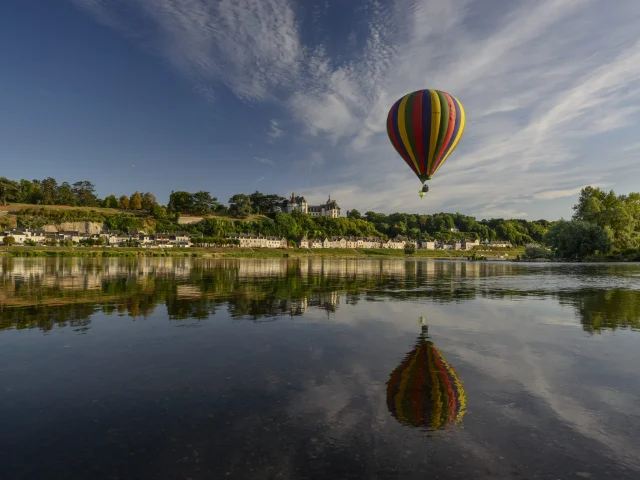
(303, 242)
(428, 244)
(470, 244)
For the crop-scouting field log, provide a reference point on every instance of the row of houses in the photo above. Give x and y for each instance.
(464, 244)
(353, 242)
(183, 239)
(22, 236)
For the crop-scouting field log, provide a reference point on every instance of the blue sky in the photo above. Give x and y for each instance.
(280, 95)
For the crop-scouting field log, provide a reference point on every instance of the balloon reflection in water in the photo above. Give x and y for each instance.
(424, 391)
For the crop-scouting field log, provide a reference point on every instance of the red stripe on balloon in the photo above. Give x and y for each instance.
(394, 138)
(450, 127)
(417, 130)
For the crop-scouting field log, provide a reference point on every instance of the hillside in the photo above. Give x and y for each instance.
(94, 219)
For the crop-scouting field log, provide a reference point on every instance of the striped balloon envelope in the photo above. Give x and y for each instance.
(424, 391)
(424, 127)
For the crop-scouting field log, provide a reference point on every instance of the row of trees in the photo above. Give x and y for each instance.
(240, 205)
(603, 222)
(48, 192)
(79, 194)
(443, 226)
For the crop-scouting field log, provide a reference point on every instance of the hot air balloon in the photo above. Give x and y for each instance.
(424, 391)
(424, 127)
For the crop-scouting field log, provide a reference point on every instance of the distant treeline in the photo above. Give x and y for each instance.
(45, 304)
(141, 211)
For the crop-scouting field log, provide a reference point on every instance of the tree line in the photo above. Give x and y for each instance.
(220, 285)
(267, 207)
(603, 222)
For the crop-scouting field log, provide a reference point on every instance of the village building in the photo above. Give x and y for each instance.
(470, 244)
(259, 241)
(428, 244)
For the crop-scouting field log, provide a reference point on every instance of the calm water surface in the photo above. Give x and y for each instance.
(318, 369)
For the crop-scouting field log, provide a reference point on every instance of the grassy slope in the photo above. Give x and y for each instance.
(14, 207)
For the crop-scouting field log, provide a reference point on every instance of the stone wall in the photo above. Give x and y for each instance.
(82, 227)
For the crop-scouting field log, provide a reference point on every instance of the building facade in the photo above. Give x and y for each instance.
(298, 203)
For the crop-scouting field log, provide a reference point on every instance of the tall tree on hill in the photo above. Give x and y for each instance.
(135, 201)
(28, 192)
(111, 202)
(8, 190)
(148, 200)
(202, 203)
(266, 204)
(353, 214)
(240, 206)
(84, 192)
(49, 188)
(65, 195)
(123, 203)
(180, 201)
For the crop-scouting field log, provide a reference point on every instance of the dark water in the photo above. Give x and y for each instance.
(318, 369)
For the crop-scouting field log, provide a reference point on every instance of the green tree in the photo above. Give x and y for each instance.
(240, 206)
(9, 240)
(65, 195)
(202, 203)
(535, 253)
(123, 203)
(135, 201)
(618, 215)
(111, 202)
(181, 202)
(148, 200)
(577, 239)
(49, 188)
(354, 214)
(266, 204)
(84, 192)
(27, 192)
(415, 233)
(409, 248)
(9, 190)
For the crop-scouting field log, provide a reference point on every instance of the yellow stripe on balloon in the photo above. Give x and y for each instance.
(462, 396)
(463, 123)
(436, 403)
(402, 127)
(436, 112)
(402, 390)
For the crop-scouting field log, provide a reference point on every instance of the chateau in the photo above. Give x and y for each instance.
(328, 209)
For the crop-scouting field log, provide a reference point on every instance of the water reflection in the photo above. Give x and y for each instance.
(43, 293)
(424, 390)
(309, 397)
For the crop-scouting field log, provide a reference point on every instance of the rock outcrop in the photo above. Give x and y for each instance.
(82, 227)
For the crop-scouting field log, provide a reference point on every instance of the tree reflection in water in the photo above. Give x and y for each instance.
(49, 292)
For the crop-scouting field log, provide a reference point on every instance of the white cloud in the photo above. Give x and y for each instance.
(266, 161)
(570, 192)
(250, 46)
(274, 130)
(545, 85)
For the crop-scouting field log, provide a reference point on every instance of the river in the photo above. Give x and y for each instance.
(318, 368)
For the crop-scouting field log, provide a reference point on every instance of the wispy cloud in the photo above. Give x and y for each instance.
(550, 87)
(555, 194)
(274, 129)
(265, 161)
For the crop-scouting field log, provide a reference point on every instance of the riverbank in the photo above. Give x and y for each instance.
(245, 253)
